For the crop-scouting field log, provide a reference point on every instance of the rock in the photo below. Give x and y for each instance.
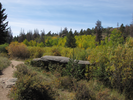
(84, 62)
(7, 83)
(10, 82)
(59, 59)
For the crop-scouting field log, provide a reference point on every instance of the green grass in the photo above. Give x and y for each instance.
(4, 62)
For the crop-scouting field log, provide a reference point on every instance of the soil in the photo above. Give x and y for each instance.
(8, 74)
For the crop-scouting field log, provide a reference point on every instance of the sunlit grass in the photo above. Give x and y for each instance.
(4, 62)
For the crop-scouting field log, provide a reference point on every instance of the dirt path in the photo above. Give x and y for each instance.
(7, 74)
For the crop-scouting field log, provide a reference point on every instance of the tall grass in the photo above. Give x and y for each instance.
(4, 62)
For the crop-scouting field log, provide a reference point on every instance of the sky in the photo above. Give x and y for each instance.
(55, 15)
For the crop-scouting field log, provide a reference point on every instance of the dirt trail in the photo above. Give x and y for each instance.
(8, 74)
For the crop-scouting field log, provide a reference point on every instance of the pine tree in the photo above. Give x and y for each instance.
(3, 29)
(81, 32)
(22, 36)
(70, 40)
(42, 36)
(9, 37)
(98, 30)
(122, 29)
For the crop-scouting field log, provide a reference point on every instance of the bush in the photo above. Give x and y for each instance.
(120, 70)
(36, 52)
(104, 95)
(116, 38)
(16, 49)
(66, 52)
(4, 55)
(80, 54)
(99, 58)
(83, 93)
(67, 83)
(40, 44)
(56, 52)
(30, 86)
(85, 41)
(3, 48)
(113, 66)
(21, 70)
(73, 69)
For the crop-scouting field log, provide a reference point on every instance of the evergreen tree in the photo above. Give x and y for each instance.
(76, 33)
(22, 36)
(9, 37)
(70, 40)
(131, 30)
(81, 32)
(29, 36)
(49, 33)
(122, 29)
(89, 31)
(36, 34)
(98, 30)
(15, 38)
(3, 26)
(42, 36)
(127, 30)
(65, 31)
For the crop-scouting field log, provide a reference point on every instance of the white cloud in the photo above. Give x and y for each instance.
(16, 26)
(56, 14)
(53, 26)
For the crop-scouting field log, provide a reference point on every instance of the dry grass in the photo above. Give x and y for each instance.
(4, 62)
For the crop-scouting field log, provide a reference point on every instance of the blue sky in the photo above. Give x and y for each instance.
(54, 15)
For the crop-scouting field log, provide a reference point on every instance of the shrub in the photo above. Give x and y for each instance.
(80, 54)
(73, 69)
(83, 93)
(104, 95)
(21, 70)
(56, 52)
(4, 55)
(113, 66)
(66, 52)
(3, 48)
(99, 58)
(40, 44)
(26, 42)
(32, 43)
(61, 42)
(36, 52)
(16, 49)
(85, 41)
(116, 38)
(30, 86)
(67, 83)
(120, 70)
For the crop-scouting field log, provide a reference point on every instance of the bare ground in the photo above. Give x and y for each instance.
(8, 74)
